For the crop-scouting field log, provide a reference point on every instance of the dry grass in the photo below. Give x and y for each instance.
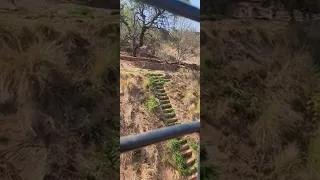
(169, 52)
(184, 94)
(286, 162)
(259, 78)
(136, 118)
(60, 82)
(126, 84)
(152, 162)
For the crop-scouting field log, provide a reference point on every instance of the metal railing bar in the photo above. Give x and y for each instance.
(177, 7)
(129, 143)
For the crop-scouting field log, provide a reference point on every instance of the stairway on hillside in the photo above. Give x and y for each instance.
(169, 117)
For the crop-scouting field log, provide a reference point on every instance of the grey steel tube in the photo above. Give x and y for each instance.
(144, 139)
(177, 7)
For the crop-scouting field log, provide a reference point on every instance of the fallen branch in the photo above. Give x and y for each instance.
(131, 58)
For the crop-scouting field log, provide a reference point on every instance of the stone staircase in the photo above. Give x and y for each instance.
(167, 114)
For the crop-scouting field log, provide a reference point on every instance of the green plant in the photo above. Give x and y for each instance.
(173, 124)
(154, 81)
(170, 110)
(166, 158)
(171, 115)
(180, 162)
(161, 82)
(164, 106)
(193, 145)
(152, 104)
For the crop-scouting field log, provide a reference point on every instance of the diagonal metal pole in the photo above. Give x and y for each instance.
(144, 139)
(133, 142)
(177, 7)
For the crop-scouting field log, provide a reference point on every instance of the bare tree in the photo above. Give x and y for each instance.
(185, 39)
(138, 19)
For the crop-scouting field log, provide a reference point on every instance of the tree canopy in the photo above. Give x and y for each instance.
(137, 19)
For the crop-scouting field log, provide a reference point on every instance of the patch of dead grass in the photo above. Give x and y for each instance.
(61, 104)
(258, 81)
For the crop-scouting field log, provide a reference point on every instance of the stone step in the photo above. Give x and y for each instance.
(164, 101)
(187, 153)
(162, 94)
(156, 77)
(156, 74)
(182, 141)
(173, 124)
(166, 106)
(171, 120)
(161, 91)
(167, 110)
(163, 98)
(185, 147)
(159, 88)
(193, 170)
(170, 115)
(190, 161)
(193, 177)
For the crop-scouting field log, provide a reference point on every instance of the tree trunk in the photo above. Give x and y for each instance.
(141, 41)
(134, 50)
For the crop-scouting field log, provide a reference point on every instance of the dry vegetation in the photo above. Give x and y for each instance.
(58, 70)
(148, 31)
(143, 163)
(153, 162)
(259, 77)
(151, 32)
(184, 94)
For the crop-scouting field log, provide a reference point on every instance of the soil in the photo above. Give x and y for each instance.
(255, 73)
(147, 162)
(60, 131)
(144, 163)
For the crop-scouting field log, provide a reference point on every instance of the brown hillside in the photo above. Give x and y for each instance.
(259, 78)
(56, 70)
